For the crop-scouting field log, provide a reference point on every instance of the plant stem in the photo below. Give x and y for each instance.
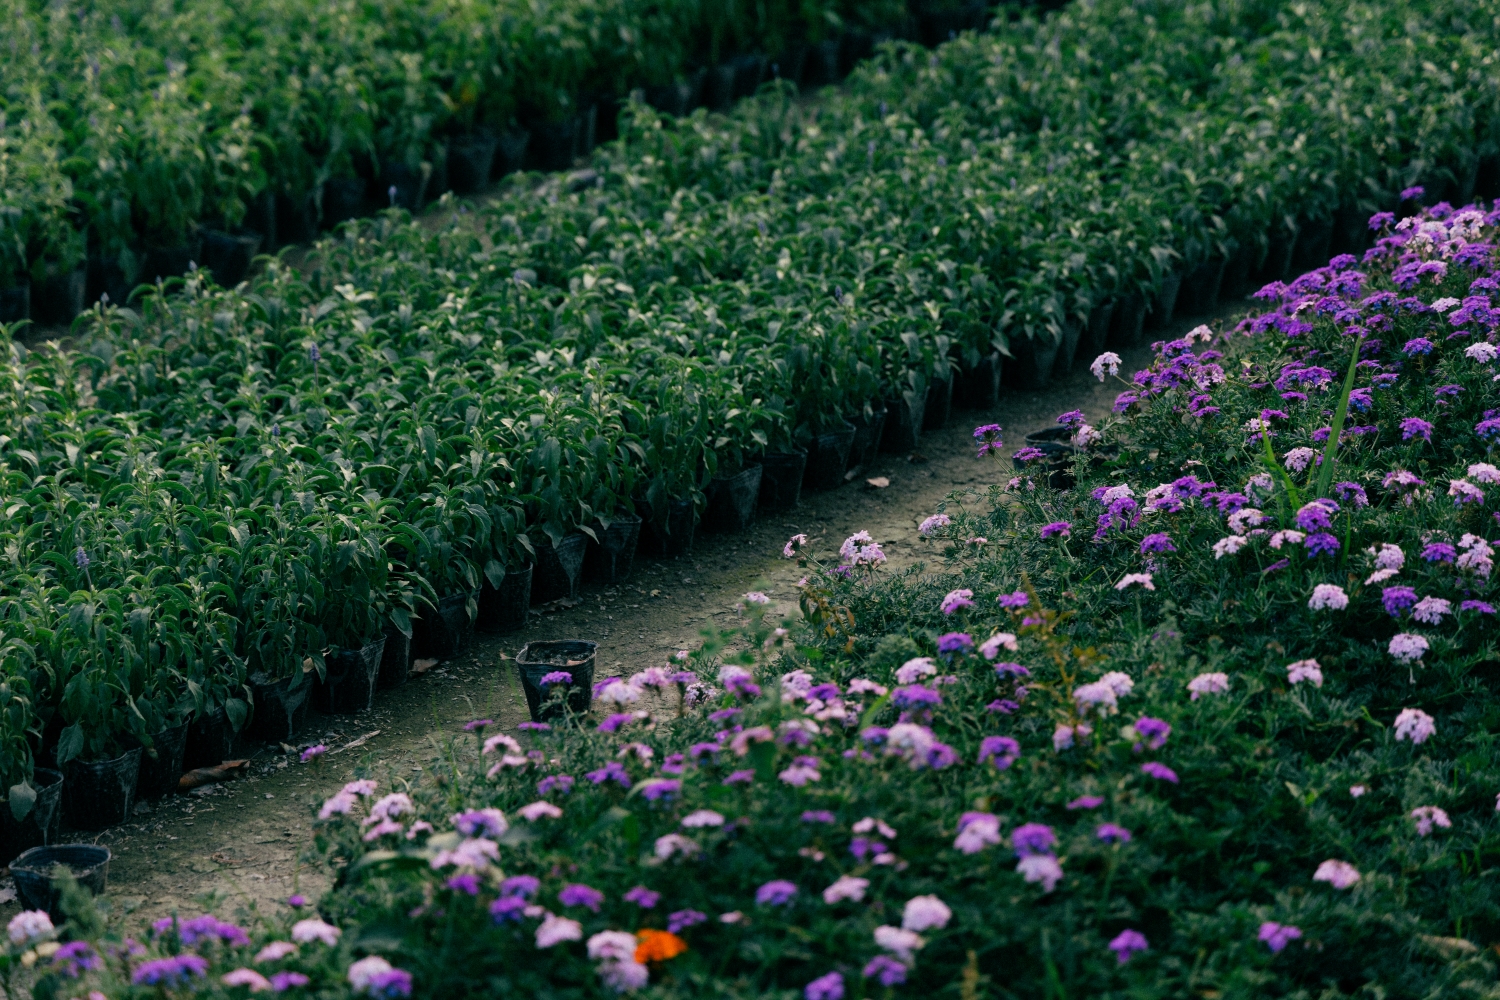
(1325, 474)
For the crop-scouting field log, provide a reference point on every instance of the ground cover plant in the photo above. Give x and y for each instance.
(1214, 718)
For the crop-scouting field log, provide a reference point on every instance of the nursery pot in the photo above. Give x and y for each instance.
(823, 62)
(731, 500)
(470, 160)
(1031, 361)
(1166, 301)
(781, 480)
(159, 774)
(296, 218)
(210, 740)
(1200, 289)
(280, 708)
(612, 557)
(15, 303)
(1280, 246)
(395, 660)
(675, 538)
(1067, 348)
(105, 276)
(260, 217)
(99, 793)
(442, 634)
(939, 401)
(978, 388)
(348, 685)
(1096, 334)
(510, 152)
(166, 262)
(504, 608)
(537, 659)
(559, 568)
(790, 64)
(671, 98)
(867, 431)
(827, 457)
(1239, 271)
(228, 257)
(718, 87)
(343, 199)
(1127, 325)
(33, 874)
(410, 184)
(749, 71)
(1311, 250)
(1056, 444)
(554, 144)
(903, 424)
(58, 299)
(41, 824)
(1351, 231)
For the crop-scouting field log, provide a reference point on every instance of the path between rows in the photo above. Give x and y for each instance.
(246, 840)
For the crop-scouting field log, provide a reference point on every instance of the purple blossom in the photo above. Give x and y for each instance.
(988, 436)
(1417, 346)
(661, 789)
(283, 981)
(1072, 418)
(1016, 600)
(1321, 543)
(1028, 454)
(469, 727)
(1439, 552)
(1413, 427)
(1153, 731)
(555, 677)
(683, 919)
(955, 642)
(827, 987)
(1128, 943)
(915, 696)
(611, 771)
(1086, 802)
(560, 783)
(1157, 543)
(777, 892)
(885, 970)
(166, 972)
(1112, 833)
(577, 894)
(465, 882)
(739, 778)
(522, 886)
(1397, 599)
(1159, 771)
(1002, 751)
(1033, 838)
(819, 816)
(642, 897)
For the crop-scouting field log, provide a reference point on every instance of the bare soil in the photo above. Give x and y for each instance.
(246, 841)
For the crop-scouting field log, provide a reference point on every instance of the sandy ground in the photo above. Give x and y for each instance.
(246, 840)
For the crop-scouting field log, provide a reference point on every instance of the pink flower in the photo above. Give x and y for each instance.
(1428, 817)
(1328, 596)
(1128, 943)
(539, 810)
(308, 931)
(1415, 725)
(956, 599)
(1304, 670)
(925, 913)
(246, 977)
(846, 888)
(793, 544)
(1339, 874)
(1133, 579)
(554, 930)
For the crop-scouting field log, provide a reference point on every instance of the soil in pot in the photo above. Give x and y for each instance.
(1031, 361)
(41, 824)
(903, 424)
(978, 388)
(395, 661)
(510, 152)
(827, 458)
(1067, 348)
(554, 144)
(732, 499)
(559, 568)
(15, 303)
(348, 684)
(781, 480)
(280, 706)
(58, 299)
(504, 608)
(344, 198)
(33, 874)
(442, 634)
(100, 793)
(471, 157)
(867, 431)
(572, 656)
(939, 401)
(1165, 304)
(1096, 333)
(228, 257)
(612, 557)
(160, 773)
(210, 741)
(675, 538)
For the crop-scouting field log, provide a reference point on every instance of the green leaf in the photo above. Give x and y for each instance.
(69, 744)
(22, 800)
(238, 711)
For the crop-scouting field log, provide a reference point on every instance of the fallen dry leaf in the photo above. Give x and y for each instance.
(220, 857)
(879, 482)
(422, 666)
(355, 743)
(8, 894)
(655, 593)
(210, 775)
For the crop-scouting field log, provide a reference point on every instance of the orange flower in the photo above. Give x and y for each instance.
(658, 946)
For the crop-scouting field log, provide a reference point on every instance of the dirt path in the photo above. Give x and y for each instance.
(243, 839)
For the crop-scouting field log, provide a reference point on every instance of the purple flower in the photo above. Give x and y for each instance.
(555, 677)
(469, 727)
(955, 642)
(1157, 543)
(1159, 771)
(1439, 552)
(915, 696)
(313, 753)
(1072, 418)
(508, 908)
(1480, 606)
(577, 894)
(283, 981)
(1019, 599)
(1278, 936)
(988, 436)
(611, 771)
(1380, 220)
(642, 897)
(1411, 194)
(296, 902)
(1413, 427)
(1321, 543)
(683, 919)
(389, 984)
(1112, 833)
(74, 958)
(523, 886)
(465, 882)
(1417, 345)
(777, 892)
(1352, 493)
(1315, 516)
(819, 816)
(829, 987)
(560, 783)
(1153, 731)
(1033, 838)
(175, 971)
(1028, 454)
(1056, 528)
(314, 355)
(1086, 802)
(1397, 600)
(886, 970)
(1488, 428)
(739, 778)
(1002, 751)
(1127, 943)
(660, 789)
(724, 714)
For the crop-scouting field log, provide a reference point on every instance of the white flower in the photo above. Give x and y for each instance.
(613, 946)
(899, 942)
(1098, 695)
(1428, 817)
(539, 810)
(863, 685)
(880, 826)
(1388, 556)
(1132, 579)
(623, 693)
(308, 931)
(847, 887)
(1477, 555)
(1116, 492)
(978, 833)
(1407, 647)
(701, 818)
(1355, 791)
(1085, 436)
(1106, 363)
(914, 670)
(1328, 596)
(1380, 576)
(1213, 683)
(1229, 545)
(363, 972)
(554, 930)
(1443, 304)
(475, 852)
(924, 913)
(29, 926)
(1041, 868)
(1118, 682)
(675, 843)
(1062, 738)
(1244, 519)
(499, 741)
(1298, 459)
(1431, 610)
(1484, 472)
(1304, 670)
(622, 977)
(1288, 535)
(1415, 725)
(1481, 352)
(933, 523)
(1000, 640)
(1339, 874)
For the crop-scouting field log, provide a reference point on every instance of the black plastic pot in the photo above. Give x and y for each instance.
(33, 874)
(675, 538)
(210, 741)
(607, 119)
(1239, 273)
(228, 257)
(732, 499)
(99, 793)
(395, 661)
(554, 144)
(1067, 348)
(296, 218)
(402, 186)
(1165, 304)
(510, 152)
(1281, 244)
(1487, 175)
(789, 65)
(823, 62)
(978, 388)
(939, 401)
(718, 87)
(537, 659)
(1056, 445)
(15, 303)
(504, 608)
(1096, 333)
(160, 774)
(612, 557)
(107, 277)
(167, 262)
(749, 71)
(1313, 239)
(781, 480)
(280, 708)
(867, 432)
(1031, 361)
(1127, 326)
(827, 458)
(1351, 231)
(559, 568)
(858, 46)
(344, 198)
(57, 300)
(1200, 289)
(348, 684)
(41, 824)
(471, 157)
(903, 424)
(443, 633)
(260, 217)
